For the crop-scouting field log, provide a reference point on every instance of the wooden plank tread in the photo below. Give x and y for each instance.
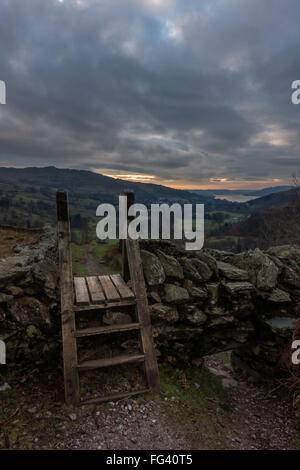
(106, 329)
(115, 396)
(105, 306)
(124, 291)
(111, 361)
(98, 290)
(95, 290)
(81, 291)
(109, 289)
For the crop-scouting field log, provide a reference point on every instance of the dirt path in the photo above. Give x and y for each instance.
(128, 425)
(92, 264)
(260, 418)
(257, 419)
(183, 417)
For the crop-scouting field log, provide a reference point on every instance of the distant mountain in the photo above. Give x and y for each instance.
(267, 191)
(27, 195)
(86, 183)
(244, 192)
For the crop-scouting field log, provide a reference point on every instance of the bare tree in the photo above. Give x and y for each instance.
(296, 185)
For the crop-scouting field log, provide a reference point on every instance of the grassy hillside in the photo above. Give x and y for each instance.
(263, 229)
(10, 237)
(272, 200)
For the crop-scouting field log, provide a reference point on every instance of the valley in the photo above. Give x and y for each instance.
(27, 200)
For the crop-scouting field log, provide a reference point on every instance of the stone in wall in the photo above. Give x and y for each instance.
(164, 312)
(175, 294)
(153, 269)
(232, 273)
(171, 266)
(262, 270)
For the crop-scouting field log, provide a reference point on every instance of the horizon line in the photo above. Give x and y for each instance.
(226, 185)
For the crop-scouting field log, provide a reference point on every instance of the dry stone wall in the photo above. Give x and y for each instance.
(210, 301)
(201, 303)
(29, 320)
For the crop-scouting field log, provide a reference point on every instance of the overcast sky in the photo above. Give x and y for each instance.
(189, 93)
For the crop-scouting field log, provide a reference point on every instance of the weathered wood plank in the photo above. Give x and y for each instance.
(108, 305)
(138, 284)
(114, 397)
(71, 378)
(81, 291)
(109, 289)
(123, 289)
(110, 361)
(125, 265)
(100, 330)
(95, 290)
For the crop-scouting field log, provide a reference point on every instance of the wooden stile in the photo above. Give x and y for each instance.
(95, 293)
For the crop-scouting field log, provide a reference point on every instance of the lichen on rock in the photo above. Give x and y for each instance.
(153, 269)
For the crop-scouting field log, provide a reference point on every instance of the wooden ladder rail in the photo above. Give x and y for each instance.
(132, 269)
(125, 264)
(143, 314)
(71, 378)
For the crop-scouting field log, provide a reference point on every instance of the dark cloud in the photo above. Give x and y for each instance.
(184, 90)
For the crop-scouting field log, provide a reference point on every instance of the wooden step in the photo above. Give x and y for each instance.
(81, 291)
(95, 290)
(110, 361)
(105, 306)
(115, 396)
(109, 289)
(100, 330)
(124, 291)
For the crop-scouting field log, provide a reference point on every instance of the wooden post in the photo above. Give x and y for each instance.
(66, 298)
(143, 313)
(125, 266)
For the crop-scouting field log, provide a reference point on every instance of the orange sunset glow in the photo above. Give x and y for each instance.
(214, 183)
